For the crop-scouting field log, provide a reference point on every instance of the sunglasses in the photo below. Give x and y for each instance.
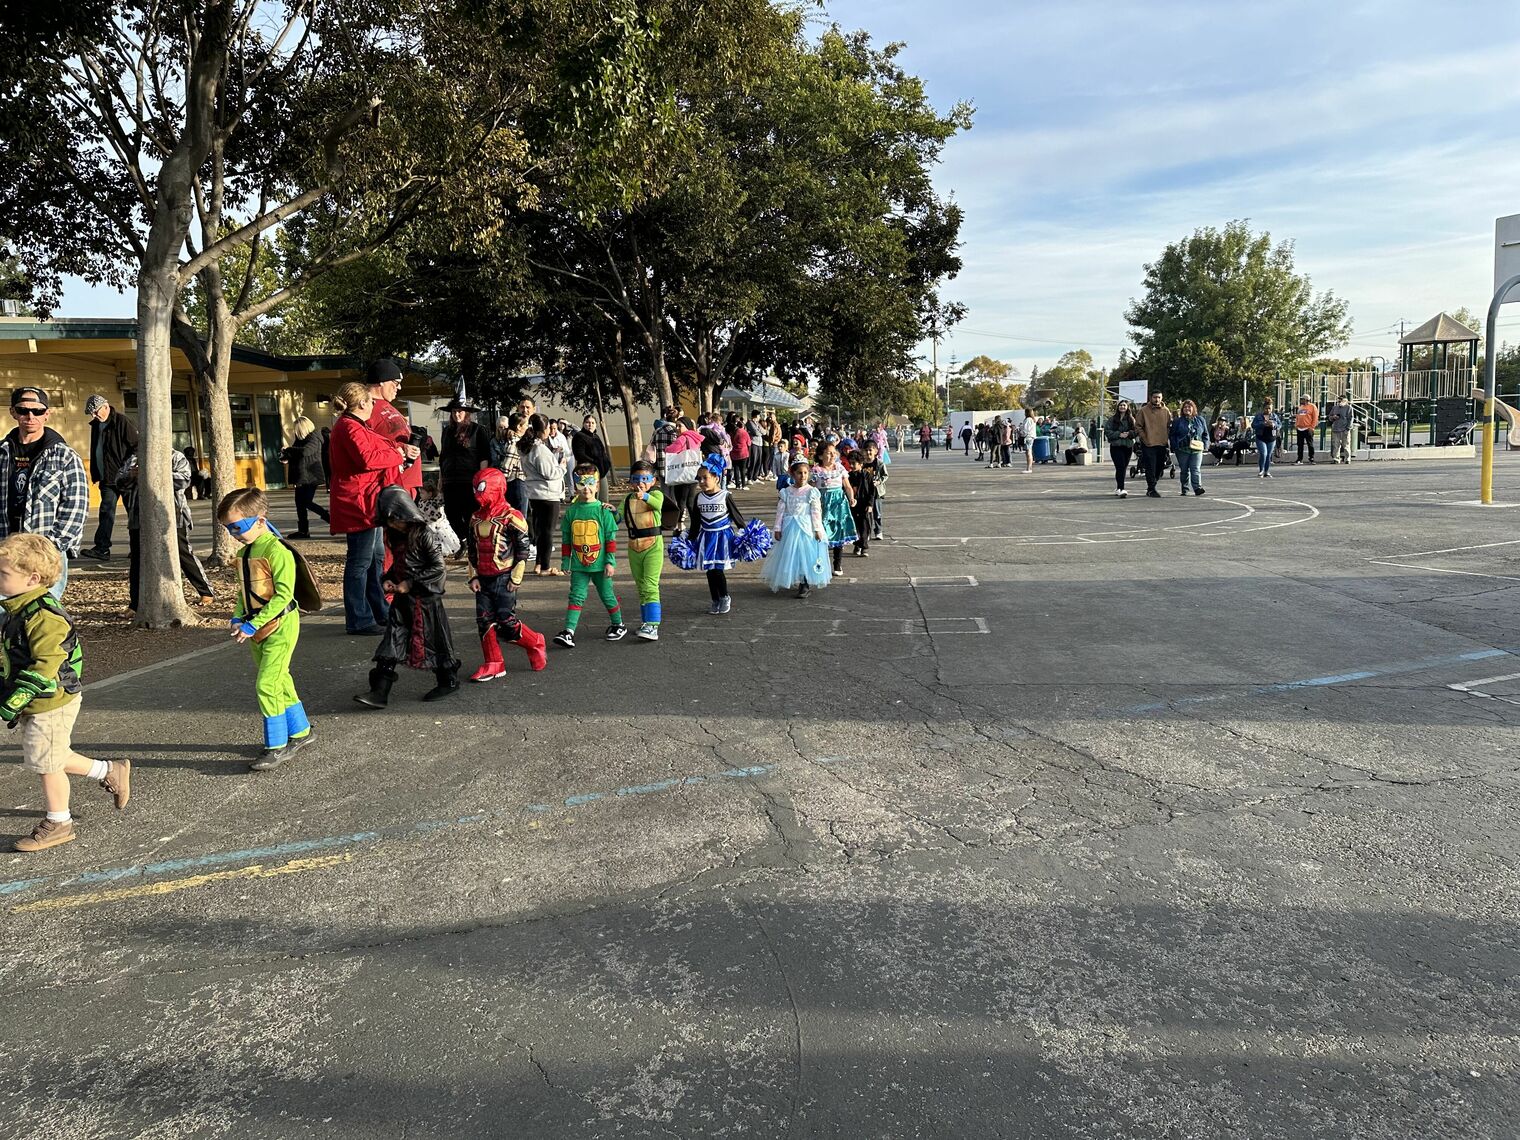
(19, 411)
(242, 526)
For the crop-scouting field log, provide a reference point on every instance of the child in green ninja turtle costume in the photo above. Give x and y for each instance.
(646, 553)
(588, 544)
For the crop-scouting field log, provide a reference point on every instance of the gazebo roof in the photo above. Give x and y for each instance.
(1441, 329)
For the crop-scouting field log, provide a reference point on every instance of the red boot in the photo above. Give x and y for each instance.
(533, 644)
(494, 666)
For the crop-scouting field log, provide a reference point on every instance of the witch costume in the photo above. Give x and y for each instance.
(417, 631)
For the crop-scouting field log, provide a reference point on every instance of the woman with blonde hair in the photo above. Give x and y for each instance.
(362, 463)
(303, 471)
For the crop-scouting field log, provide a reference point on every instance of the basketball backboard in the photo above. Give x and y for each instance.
(1506, 249)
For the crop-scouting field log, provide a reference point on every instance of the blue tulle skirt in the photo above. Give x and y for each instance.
(796, 558)
(838, 523)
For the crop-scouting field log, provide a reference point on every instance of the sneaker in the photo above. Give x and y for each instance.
(46, 834)
(566, 638)
(1123, 494)
(715, 609)
(1153, 494)
(865, 554)
(118, 781)
(648, 632)
(272, 758)
(98, 556)
(617, 632)
(839, 573)
(877, 537)
(1197, 490)
(1266, 474)
(1296, 462)
(1311, 463)
(725, 604)
(1184, 492)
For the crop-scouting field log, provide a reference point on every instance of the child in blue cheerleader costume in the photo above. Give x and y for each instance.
(801, 555)
(833, 483)
(714, 531)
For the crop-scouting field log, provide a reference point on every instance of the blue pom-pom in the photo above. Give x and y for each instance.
(754, 541)
(682, 554)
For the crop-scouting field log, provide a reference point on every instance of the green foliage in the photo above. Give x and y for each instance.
(1224, 306)
(1074, 384)
(918, 400)
(984, 384)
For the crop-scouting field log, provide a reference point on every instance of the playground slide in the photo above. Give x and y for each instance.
(1511, 417)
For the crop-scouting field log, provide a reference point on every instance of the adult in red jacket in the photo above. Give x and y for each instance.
(384, 381)
(362, 463)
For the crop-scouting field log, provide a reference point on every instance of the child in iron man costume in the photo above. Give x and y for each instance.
(498, 553)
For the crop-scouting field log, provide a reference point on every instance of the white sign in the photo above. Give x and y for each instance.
(1135, 391)
(1506, 251)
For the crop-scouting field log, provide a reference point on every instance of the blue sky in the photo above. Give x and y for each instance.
(1384, 138)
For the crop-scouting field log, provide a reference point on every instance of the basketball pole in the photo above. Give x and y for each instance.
(1490, 374)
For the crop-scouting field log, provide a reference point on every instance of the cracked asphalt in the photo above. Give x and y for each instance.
(1065, 817)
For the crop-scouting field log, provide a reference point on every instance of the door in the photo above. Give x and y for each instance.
(271, 442)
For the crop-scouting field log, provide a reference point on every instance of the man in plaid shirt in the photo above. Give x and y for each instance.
(43, 486)
(665, 432)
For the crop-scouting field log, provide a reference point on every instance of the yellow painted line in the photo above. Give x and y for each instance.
(257, 871)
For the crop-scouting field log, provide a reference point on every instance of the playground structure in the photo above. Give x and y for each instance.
(1389, 407)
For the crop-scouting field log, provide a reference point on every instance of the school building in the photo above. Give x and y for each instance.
(75, 357)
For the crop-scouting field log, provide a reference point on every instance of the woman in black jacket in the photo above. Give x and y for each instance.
(466, 449)
(303, 471)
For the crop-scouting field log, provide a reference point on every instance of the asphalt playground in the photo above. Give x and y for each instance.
(1059, 816)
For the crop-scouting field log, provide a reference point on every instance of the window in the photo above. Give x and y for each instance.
(244, 439)
(179, 411)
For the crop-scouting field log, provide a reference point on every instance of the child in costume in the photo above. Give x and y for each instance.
(801, 556)
(499, 553)
(833, 484)
(876, 462)
(42, 685)
(268, 618)
(714, 530)
(588, 544)
(863, 500)
(417, 630)
(646, 553)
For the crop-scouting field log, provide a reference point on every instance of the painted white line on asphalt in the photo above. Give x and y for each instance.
(1456, 549)
(133, 674)
(1439, 570)
(949, 580)
(1470, 686)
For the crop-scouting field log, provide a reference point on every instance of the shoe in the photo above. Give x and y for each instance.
(804, 590)
(448, 683)
(648, 632)
(300, 534)
(715, 609)
(566, 638)
(533, 645)
(1184, 492)
(492, 666)
(205, 600)
(380, 681)
(725, 604)
(118, 781)
(1153, 494)
(877, 537)
(98, 556)
(1197, 490)
(865, 554)
(1123, 494)
(1296, 462)
(617, 632)
(1261, 474)
(839, 573)
(46, 834)
(1311, 463)
(367, 631)
(272, 758)
(1266, 474)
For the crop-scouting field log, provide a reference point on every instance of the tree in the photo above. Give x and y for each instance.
(1075, 385)
(918, 400)
(1224, 306)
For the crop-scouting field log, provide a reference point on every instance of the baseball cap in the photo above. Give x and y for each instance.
(92, 405)
(19, 394)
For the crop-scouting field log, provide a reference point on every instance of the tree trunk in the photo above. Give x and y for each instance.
(161, 596)
(216, 418)
(654, 337)
(630, 406)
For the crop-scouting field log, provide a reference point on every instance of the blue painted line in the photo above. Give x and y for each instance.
(327, 843)
(1391, 670)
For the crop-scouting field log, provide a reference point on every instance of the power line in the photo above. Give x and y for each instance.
(1042, 340)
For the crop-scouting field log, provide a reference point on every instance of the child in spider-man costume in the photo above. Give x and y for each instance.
(498, 553)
